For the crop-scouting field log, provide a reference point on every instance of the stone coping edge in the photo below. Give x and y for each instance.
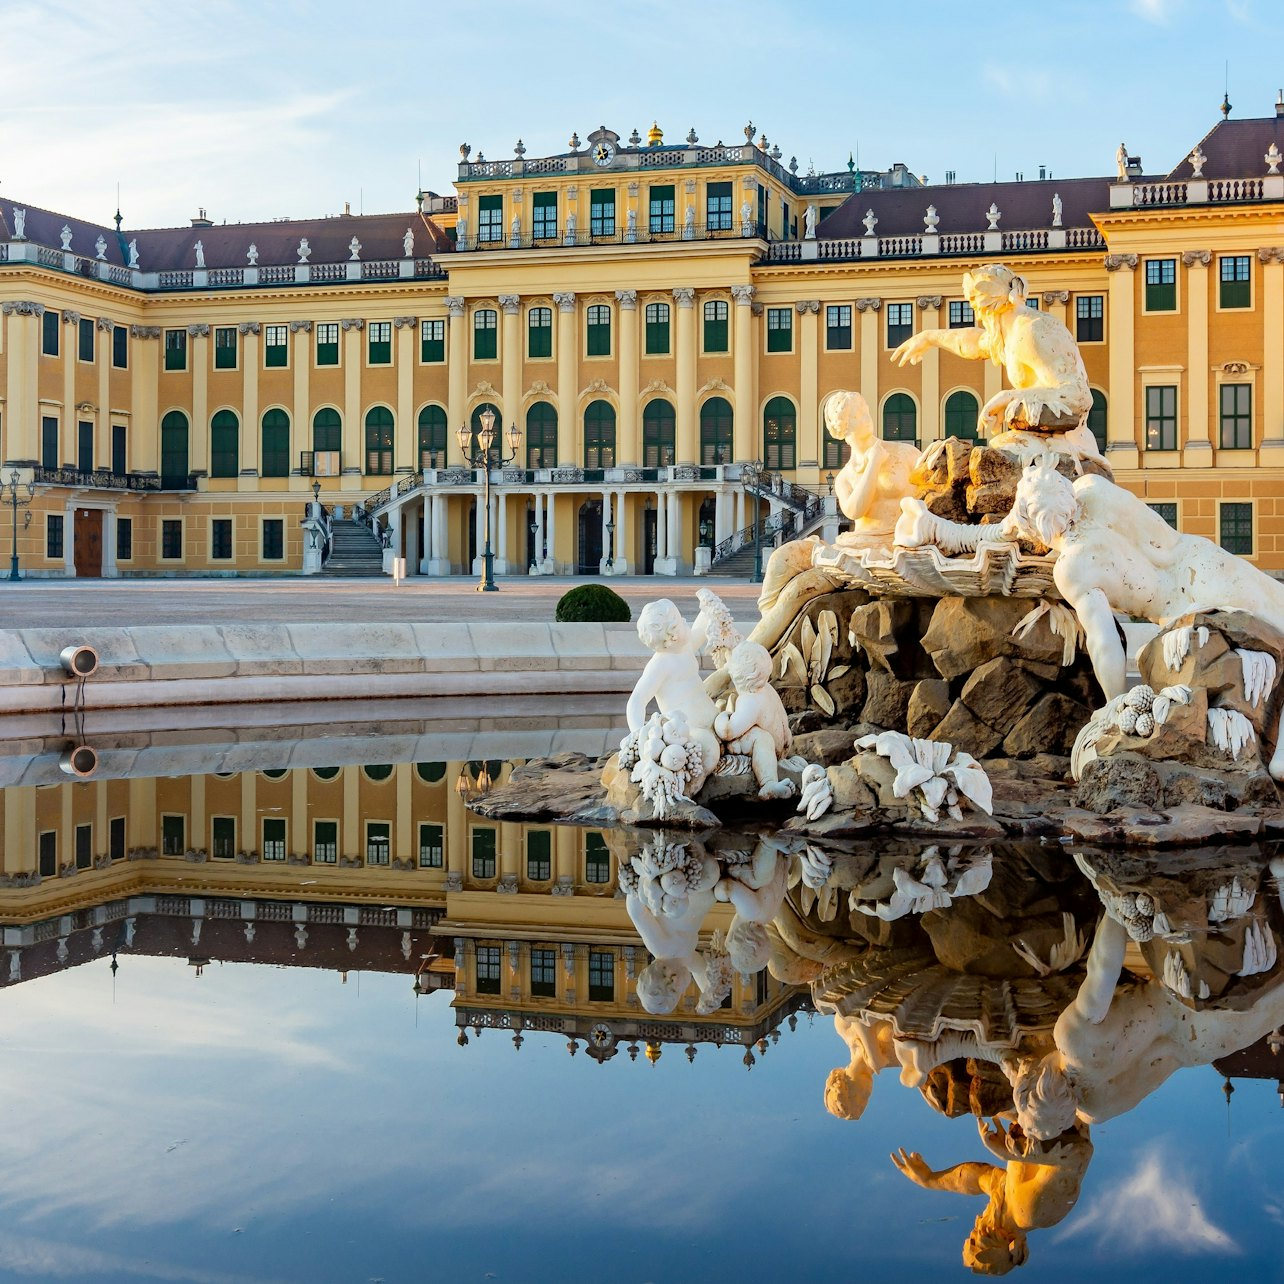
(235, 663)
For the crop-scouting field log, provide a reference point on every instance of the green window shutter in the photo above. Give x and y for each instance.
(276, 443)
(225, 339)
(432, 342)
(432, 437)
(539, 332)
(716, 432)
(541, 436)
(544, 216)
(961, 411)
(599, 435)
(661, 210)
(174, 464)
(602, 213)
(780, 330)
(485, 342)
(657, 329)
(900, 418)
(379, 429)
(779, 435)
(659, 434)
(716, 315)
(175, 349)
(225, 441)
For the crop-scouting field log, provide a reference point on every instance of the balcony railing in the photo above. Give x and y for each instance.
(565, 238)
(931, 244)
(104, 479)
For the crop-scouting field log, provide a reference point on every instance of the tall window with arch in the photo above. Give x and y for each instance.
(659, 434)
(276, 443)
(717, 427)
(779, 434)
(327, 429)
(432, 437)
(900, 418)
(599, 435)
(961, 411)
(541, 436)
(379, 425)
(174, 437)
(225, 442)
(475, 422)
(1097, 419)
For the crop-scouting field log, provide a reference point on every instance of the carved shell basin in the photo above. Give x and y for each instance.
(994, 570)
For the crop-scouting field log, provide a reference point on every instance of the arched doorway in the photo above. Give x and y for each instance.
(588, 543)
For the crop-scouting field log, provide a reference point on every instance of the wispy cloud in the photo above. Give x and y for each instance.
(1156, 1207)
(1159, 12)
(29, 1255)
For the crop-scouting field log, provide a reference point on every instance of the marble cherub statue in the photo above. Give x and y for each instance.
(758, 724)
(1035, 1187)
(672, 679)
(1050, 398)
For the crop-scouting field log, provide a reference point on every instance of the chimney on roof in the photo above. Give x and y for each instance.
(347, 209)
(1043, 173)
(202, 219)
(1279, 103)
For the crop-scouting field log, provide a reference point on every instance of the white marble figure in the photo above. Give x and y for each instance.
(1197, 161)
(926, 773)
(515, 230)
(200, 254)
(746, 215)
(672, 679)
(408, 243)
(1121, 163)
(755, 889)
(569, 238)
(1272, 158)
(304, 249)
(870, 222)
(100, 247)
(688, 224)
(19, 224)
(631, 226)
(993, 215)
(871, 484)
(354, 250)
(1121, 1039)
(65, 236)
(133, 253)
(871, 1045)
(810, 215)
(252, 254)
(1056, 209)
(758, 725)
(1035, 350)
(930, 220)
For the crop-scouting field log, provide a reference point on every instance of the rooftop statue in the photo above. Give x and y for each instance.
(1049, 401)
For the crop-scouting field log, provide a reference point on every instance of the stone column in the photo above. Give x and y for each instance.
(570, 432)
(456, 837)
(808, 347)
(249, 396)
(677, 546)
(1198, 451)
(688, 446)
(354, 430)
(1121, 445)
(629, 437)
(551, 522)
(743, 359)
(69, 434)
(623, 561)
(929, 306)
(436, 537)
(479, 532)
(511, 357)
(102, 428)
(406, 539)
(144, 390)
(661, 528)
(405, 451)
(457, 369)
(404, 845)
(869, 310)
(501, 500)
(301, 411)
(199, 449)
(720, 531)
(1271, 453)
(537, 551)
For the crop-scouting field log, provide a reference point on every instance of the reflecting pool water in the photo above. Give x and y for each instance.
(278, 1006)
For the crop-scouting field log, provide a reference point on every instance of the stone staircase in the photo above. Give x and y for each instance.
(354, 552)
(739, 565)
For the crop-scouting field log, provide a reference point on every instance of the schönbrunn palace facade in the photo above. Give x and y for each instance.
(651, 317)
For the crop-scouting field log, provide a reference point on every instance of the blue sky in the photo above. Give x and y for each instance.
(260, 110)
(260, 1124)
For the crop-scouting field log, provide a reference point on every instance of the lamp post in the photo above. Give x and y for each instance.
(481, 458)
(9, 495)
(610, 544)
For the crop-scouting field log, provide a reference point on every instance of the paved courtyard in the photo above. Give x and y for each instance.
(110, 603)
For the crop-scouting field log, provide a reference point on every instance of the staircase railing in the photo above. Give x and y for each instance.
(363, 516)
(803, 506)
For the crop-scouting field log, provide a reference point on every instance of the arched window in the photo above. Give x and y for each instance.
(541, 436)
(430, 772)
(961, 410)
(276, 443)
(716, 431)
(834, 452)
(475, 421)
(225, 440)
(900, 418)
(659, 434)
(779, 434)
(599, 435)
(174, 467)
(377, 771)
(327, 430)
(432, 437)
(379, 441)
(1097, 419)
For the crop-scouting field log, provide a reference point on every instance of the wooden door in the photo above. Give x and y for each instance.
(89, 543)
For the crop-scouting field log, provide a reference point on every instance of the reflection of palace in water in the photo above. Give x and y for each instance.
(358, 867)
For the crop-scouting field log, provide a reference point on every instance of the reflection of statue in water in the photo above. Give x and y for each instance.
(1035, 1188)
(871, 1042)
(1049, 392)
(758, 725)
(754, 886)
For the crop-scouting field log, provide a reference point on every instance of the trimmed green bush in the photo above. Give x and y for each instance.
(593, 603)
